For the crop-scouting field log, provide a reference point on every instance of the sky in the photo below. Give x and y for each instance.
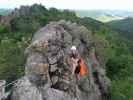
(73, 4)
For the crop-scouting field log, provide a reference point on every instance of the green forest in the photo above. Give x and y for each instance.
(16, 33)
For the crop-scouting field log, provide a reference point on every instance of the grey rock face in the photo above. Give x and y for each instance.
(48, 75)
(24, 90)
(2, 89)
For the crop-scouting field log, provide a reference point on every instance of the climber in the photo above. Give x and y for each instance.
(77, 63)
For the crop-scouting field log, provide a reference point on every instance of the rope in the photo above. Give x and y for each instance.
(11, 83)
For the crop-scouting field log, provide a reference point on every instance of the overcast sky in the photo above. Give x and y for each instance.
(73, 4)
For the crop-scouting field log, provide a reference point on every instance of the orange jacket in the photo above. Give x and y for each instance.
(83, 69)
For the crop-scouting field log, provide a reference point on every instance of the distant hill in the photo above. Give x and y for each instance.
(4, 11)
(107, 18)
(125, 27)
(104, 15)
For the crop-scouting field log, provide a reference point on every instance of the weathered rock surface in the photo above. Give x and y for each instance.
(47, 74)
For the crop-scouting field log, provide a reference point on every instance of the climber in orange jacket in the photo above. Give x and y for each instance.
(82, 67)
(77, 63)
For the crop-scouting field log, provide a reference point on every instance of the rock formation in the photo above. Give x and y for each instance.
(47, 74)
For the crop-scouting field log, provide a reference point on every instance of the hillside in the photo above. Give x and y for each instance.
(4, 11)
(107, 18)
(17, 31)
(124, 26)
(104, 15)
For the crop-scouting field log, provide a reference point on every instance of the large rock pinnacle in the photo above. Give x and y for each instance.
(47, 73)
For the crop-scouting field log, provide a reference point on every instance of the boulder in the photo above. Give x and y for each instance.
(47, 74)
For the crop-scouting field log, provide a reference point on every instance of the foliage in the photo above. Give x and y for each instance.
(122, 90)
(123, 26)
(11, 59)
(4, 28)
(119, 63)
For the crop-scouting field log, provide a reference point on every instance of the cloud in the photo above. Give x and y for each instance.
(72, 4)
(90, 4)
(16, 3)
